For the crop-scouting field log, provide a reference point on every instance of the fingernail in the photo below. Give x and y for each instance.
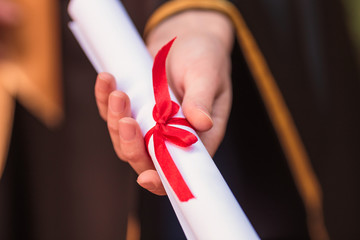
(105, 83)
(117, 103)
(204, 112)
(126, 130)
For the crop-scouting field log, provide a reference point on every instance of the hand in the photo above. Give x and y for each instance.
(198, 70)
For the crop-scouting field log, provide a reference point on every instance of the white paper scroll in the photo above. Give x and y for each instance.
(111, 42)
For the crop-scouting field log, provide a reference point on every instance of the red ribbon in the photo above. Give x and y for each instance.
(163, 113)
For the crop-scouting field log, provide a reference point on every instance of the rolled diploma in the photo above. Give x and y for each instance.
(112, 43)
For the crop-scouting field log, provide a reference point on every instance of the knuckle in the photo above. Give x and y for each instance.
(113, 128)
(102, 98)
(131, 155)
(120, 154)
(103, 114)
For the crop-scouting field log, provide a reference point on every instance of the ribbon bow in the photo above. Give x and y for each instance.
(163, 113)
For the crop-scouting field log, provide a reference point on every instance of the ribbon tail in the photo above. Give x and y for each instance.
(170, 170)
(163, 105)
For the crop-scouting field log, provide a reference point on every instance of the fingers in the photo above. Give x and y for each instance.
(114, 107)
(150, 180)
(207, 103)
(131, 148)
(125, 133)
(220, 115)
(118, 108)
(132, 145)
(198, 99)
(105, 84)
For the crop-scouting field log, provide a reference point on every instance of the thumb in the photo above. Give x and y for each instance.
(197, 103)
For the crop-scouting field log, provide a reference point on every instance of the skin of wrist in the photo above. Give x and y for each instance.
(208, 23)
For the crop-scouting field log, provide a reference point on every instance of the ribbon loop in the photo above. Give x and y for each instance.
(163, 114)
